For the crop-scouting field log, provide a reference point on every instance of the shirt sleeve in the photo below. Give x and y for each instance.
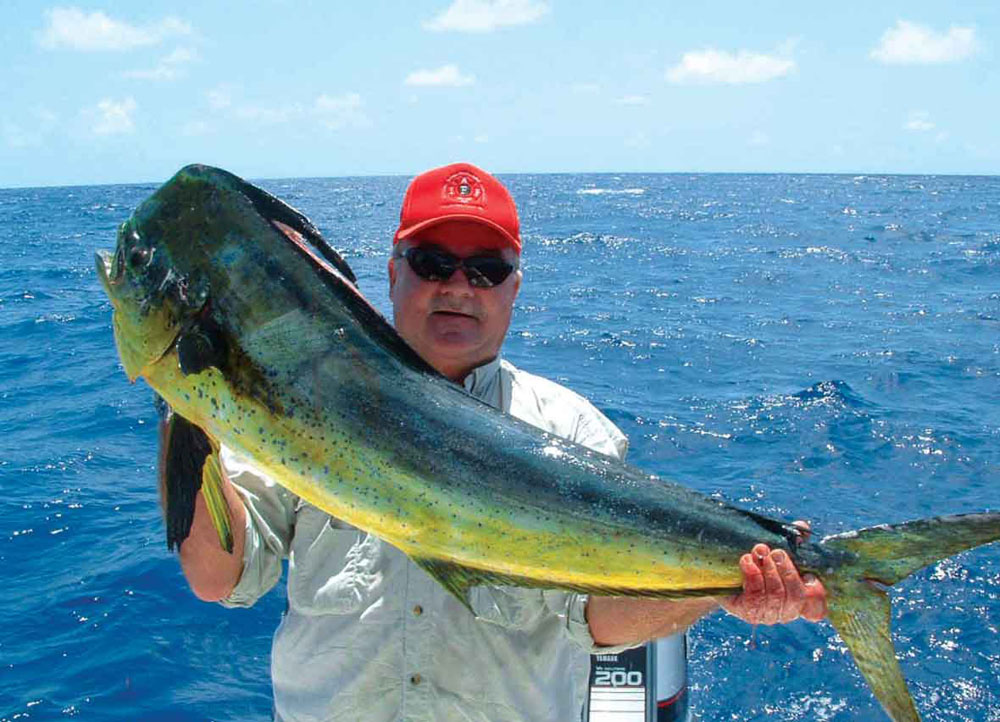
(270, 522)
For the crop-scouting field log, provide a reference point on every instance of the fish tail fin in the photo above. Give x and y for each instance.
(189, 461)
(859, 611)
(859, 606)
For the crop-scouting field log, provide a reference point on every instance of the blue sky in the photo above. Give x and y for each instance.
(129, 91)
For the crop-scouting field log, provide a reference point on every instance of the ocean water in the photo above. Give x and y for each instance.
(811, 347)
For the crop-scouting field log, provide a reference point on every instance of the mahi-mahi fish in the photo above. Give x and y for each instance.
(235, 310)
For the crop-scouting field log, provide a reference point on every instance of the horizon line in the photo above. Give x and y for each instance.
(855, 174)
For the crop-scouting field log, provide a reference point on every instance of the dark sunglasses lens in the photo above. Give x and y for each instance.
(431, 265)
(487, 271)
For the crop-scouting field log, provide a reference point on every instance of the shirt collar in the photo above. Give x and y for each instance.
(483, 379)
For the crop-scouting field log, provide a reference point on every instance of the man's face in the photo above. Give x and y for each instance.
(454, 326)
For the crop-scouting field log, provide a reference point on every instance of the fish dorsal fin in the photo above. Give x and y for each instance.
(274, 209)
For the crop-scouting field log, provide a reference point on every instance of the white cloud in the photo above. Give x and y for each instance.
(633, 100)
(72, 28)
(333, 112)
(919, 121)
(445, 76)
(759, 139)
(220, 97)
(481, 138)
(336, 112)
(585, 88)
(483, 16)
(911, 44)
(719, 66)
(170, 67)
(113, 117)
(268, 115)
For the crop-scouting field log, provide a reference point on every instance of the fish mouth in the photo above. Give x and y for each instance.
(137, 350)
(104, 262)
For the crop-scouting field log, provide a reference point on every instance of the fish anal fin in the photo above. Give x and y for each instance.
(456, 578)
(459, 579)
(860, 612)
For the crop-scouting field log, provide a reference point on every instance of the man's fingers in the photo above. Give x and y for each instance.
(753, 578)
(805, 531)
(814, 604)
(794, 592)
(774, 591)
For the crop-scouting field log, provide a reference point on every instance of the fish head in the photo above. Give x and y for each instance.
(201, 240)
(153, 300)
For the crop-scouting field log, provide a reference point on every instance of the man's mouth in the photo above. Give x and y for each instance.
(455, 314)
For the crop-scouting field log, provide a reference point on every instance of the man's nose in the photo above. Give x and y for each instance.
(458, 282)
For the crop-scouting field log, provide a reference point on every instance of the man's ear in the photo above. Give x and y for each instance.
(392, 274)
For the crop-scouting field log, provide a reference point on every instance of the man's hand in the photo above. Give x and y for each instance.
(773, 591)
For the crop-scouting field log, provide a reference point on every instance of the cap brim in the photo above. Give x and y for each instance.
(404, 233)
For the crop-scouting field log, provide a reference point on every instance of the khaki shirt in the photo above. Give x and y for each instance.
(369, 636)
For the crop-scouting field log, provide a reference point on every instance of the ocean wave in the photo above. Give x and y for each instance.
(832, 392)
(610, 191)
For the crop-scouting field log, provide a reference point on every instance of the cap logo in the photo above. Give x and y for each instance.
(464, 189)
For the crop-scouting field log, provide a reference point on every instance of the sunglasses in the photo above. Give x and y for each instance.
(433, 264)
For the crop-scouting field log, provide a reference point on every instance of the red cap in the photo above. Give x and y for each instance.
(458, 192)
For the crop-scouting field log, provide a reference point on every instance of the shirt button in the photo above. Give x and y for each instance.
(417, 610)
(415, 679)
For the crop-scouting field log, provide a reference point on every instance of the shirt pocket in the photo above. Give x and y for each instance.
(509, 607)
(333, 567)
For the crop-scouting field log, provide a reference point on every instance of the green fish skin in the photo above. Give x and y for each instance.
(234, 309)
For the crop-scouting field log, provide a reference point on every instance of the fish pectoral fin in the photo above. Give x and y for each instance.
(859, 611)
(201, 346)
(215, 500)
(189, 462)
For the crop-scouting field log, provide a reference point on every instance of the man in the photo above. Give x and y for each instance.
(368, 635)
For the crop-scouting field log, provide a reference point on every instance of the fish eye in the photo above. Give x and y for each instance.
(138, 257)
